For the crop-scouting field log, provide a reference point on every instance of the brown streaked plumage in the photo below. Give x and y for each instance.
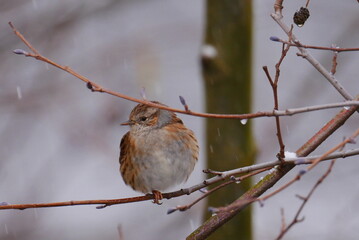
(158, 152)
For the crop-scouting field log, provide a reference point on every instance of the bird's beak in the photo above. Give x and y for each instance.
(129, 122)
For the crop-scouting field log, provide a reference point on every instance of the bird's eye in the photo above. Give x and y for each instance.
(143, 119)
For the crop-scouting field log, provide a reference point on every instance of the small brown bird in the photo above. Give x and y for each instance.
(158, 152)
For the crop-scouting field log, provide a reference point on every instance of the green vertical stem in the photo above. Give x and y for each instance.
(227, 78)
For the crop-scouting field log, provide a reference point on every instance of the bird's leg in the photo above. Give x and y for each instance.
(157, 196)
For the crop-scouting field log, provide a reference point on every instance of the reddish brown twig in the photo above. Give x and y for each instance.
(23, 39)
(213, 223)
(277, 16)
(274, 85)
(278, 6)
(307, 4)
(296, 219)
(97, 88)
(334, 49)
(231, 180)
(279, 135)
(283, 225)
(339, 146)
(311, 166)
(220, 177)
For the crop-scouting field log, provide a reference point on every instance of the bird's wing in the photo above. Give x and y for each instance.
(124, 147)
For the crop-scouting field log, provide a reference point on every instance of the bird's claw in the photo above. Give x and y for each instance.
(157, 196)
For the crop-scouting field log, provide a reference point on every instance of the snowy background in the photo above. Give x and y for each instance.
(59, 141)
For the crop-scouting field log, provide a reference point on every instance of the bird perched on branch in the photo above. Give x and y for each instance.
(158, 152)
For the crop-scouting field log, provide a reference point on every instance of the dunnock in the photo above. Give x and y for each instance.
(158, 151)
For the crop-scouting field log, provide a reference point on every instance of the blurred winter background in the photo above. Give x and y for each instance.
(59, 141)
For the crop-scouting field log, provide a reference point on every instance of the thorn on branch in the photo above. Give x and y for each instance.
(274, 38)
(185, 191)
(90, 86)
(352, 141)
(300, 220)
(206, 170)
(301, 197)
(179, 208)
(265, 69)
(210, 171)
(302, 172)
(102, 206)
(232, 178)
(183, 102)
(171, 210)
(203, 190)
(301, 55)
(213, 210)
(20, 52)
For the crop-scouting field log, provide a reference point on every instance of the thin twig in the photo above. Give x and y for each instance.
(97, 88)
(339, 146)
(285, 50)
(120, 232)
(283, 225)
(208, 182)
(274, 85)
(231, 180)
(296, 178)
(23, 39)
(183, 102)
(214, 222)
(311, 166)
(334, 49)
(278, 18)
(287, 161)
(311, 159)
(307, 4)
(278, 6)
(292, 111)
(296, 218)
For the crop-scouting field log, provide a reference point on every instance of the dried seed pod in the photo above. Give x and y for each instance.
(301, 16)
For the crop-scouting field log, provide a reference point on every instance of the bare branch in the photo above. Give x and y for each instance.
(97, 88)
(283, 226)
(214, 222)
(220, 177)
(278, 6)
(314, 163)
(307, 55)
(232, 179)
(334, 49)
(339, 146)
(296, 218)
(307, 4)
